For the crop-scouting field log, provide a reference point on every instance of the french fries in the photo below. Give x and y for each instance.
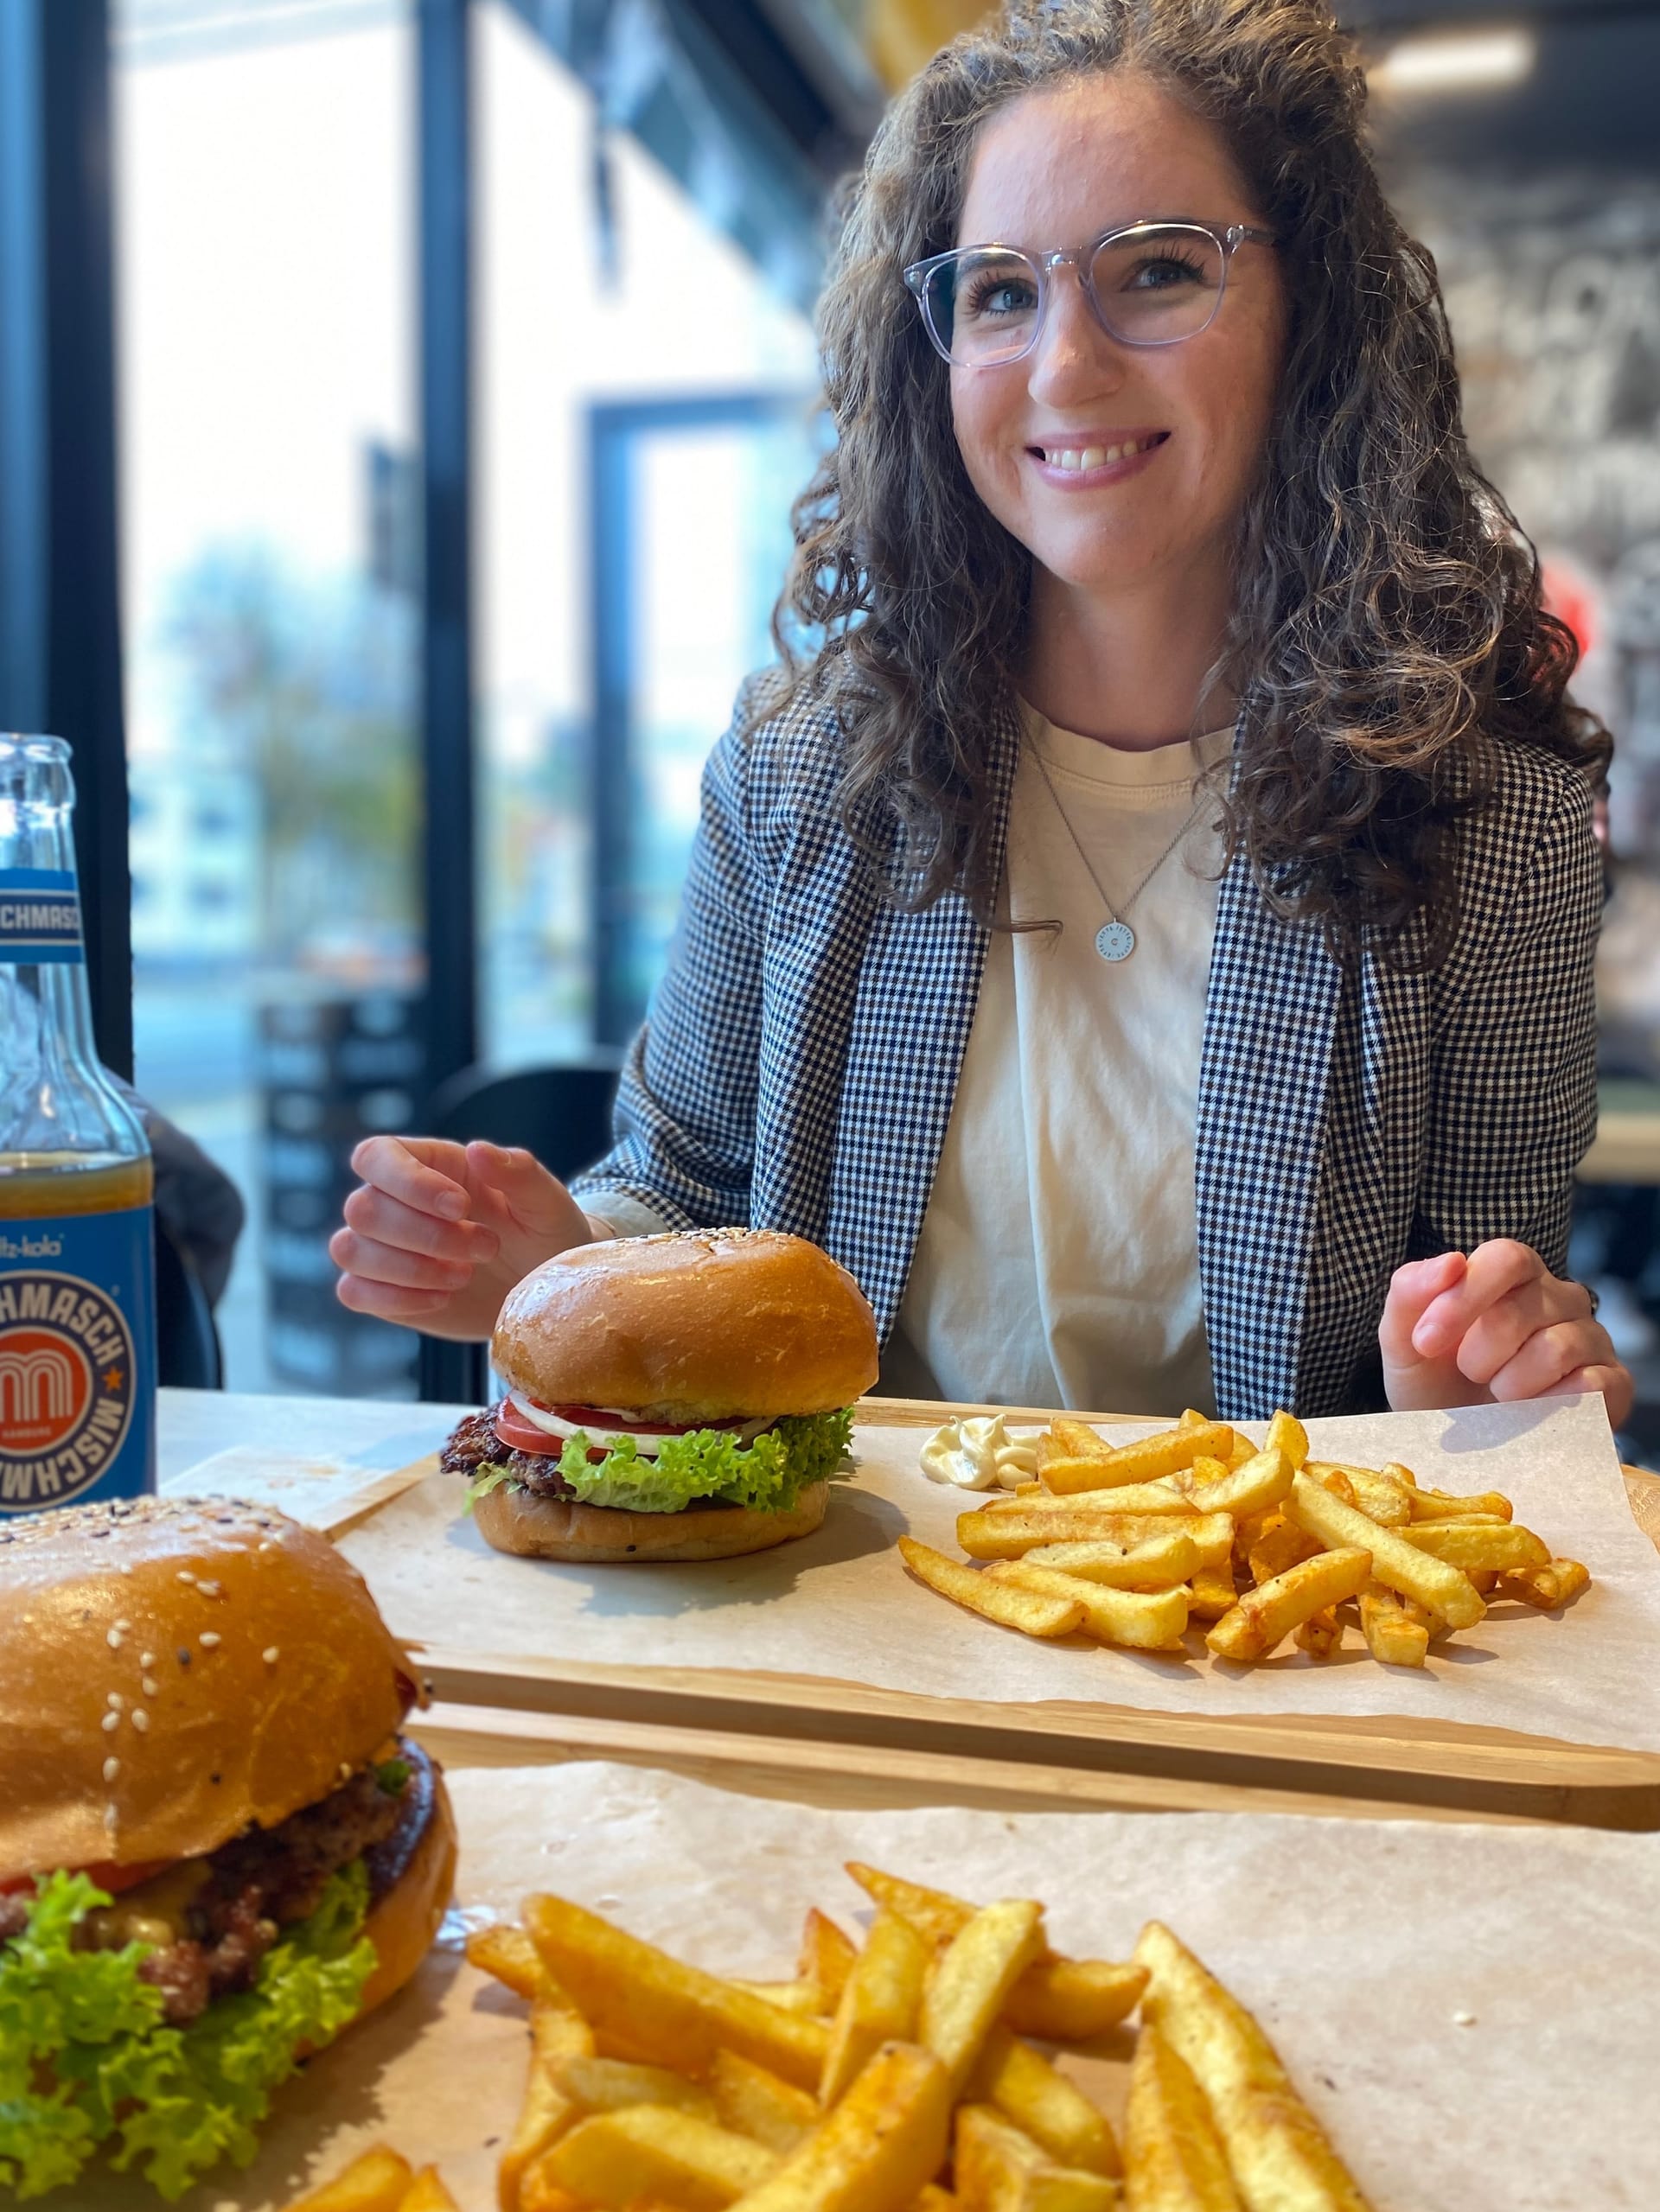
(879, 2004)
(1264, 1616)
(1276, 2151)
(1169, 1532)
(675, 2014)
(826, 1957)
(1146, 1620)
(377, 2182)
(558, 2037)
(960, 2113)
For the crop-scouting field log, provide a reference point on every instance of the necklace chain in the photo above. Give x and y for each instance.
(1117, 913)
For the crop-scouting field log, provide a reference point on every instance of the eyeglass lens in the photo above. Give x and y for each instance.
(1152, 285)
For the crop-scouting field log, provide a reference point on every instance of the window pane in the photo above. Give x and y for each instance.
(601, 280)
(265, 194)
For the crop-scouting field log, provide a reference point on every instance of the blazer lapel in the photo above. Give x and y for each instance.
(1264, 1078)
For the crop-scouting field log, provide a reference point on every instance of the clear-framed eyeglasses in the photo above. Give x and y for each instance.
(1149, 282)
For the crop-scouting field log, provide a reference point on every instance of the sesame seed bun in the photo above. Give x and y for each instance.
(704, 1326)
(172, 1672)
(559, 1528)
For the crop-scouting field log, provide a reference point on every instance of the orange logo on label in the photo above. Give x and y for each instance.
(46, 1388)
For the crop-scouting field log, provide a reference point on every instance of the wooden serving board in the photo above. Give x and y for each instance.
(828, 1741)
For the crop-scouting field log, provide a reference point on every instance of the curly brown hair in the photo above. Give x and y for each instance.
(1387, 634)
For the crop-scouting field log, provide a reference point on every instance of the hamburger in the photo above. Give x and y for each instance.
(216, 1848)
(679, 1397)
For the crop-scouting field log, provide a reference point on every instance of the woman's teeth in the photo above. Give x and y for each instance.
(1094, 456)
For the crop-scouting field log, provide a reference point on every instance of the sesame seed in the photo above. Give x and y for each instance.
(110, 1817)
(126, 1567)
(146, 1659)
(207, 1639)
(150, 1688)
(210, 1589)
(140, 1719)
(185, 1575)
(271, 1654)
(114, 1639)
(263, 1546)
(124, 1626)
(111, 1720)
(345, 1771)
(116, 1700)
(111, 1767)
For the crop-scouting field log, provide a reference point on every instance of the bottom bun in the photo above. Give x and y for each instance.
(556, 1528)
(402, 1923)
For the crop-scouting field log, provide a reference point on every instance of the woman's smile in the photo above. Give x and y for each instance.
(1086, 460)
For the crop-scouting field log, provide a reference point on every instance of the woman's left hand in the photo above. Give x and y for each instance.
(1460, 1332)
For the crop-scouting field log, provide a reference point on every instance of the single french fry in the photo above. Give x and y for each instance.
(1278, 1547)
(1426, 1617)
(1277, 2151)
(1244, 1450)
(998, 2168)
(934, 1913)
(1264, 1480)
(1144, 1462)
(753, 2102)
(1446, 1505)
(1163, 1497)
(1032, 1612)
(1068, 1439)
(1263, 1618)
(375, 2183)
(1157, 1564)
(972, 1979)
(428, 2194)
(1320, 1635)
(1379, 1496)
(539, 2192)
(558, 2036)
(1203, 1469)
(1038, 2098)
(1477, 1545)
(1286, 1434)
(879, 2004)
(1547, 1587)
(1396, 1563)
(1214, 1593)
(1173, 2158)
(614, 2158)
(669, 2012)
(826, 1956)
(1073, 2001)
(614, 2084)
(798, 1995)
(506, 1953)
(1144, 1620)
(1211, 1535)
(1391, 1637)
(876, 2150)
(933, 2198)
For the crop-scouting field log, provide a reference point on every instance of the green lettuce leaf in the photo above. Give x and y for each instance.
(85, 2060)
(769, 1473)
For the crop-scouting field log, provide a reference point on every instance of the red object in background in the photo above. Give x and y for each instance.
(1573, 599)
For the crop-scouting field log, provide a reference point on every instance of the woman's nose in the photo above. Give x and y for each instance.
(1073, 352)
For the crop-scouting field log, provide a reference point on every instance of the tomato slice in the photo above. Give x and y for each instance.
(582, 1414)
(112, 1878)
(521, 1435)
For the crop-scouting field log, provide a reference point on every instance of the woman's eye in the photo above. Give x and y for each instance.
(1167, 273)
(1000, 296)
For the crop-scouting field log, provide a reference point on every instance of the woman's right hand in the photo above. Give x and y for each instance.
(436, 1233)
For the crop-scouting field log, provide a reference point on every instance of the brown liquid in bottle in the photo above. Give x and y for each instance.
(35, 1185)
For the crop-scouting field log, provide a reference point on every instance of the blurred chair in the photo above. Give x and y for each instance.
(187, 1355)
(563, 1115)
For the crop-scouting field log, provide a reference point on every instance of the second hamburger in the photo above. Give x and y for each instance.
(671, 1398)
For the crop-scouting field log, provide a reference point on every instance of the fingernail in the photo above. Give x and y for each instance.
(451, 1206)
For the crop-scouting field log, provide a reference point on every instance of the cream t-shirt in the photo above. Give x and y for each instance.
(1058, 1259)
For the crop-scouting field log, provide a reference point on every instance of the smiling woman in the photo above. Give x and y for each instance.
(1148, 938)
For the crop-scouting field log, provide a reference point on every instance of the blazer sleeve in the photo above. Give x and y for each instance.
(684, 1125)
(1513, 1081)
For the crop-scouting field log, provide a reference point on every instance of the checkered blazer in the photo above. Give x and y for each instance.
(798, 1065)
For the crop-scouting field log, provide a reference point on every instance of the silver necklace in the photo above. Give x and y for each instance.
(1115, 940)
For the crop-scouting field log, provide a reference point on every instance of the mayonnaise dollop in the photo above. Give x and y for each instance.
(980, 1454)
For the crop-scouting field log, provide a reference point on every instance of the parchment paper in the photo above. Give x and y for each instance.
(325, 1492)
(1358, 1945)
(839, 1604)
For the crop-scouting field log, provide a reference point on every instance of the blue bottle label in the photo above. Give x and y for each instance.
(40, 917)
(77, 1359)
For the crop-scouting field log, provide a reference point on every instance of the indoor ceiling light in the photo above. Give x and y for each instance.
(1456, 62)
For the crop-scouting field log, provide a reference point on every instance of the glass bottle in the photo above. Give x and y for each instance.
(77, 1259)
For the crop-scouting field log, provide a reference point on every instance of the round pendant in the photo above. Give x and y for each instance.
(1115, 941)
